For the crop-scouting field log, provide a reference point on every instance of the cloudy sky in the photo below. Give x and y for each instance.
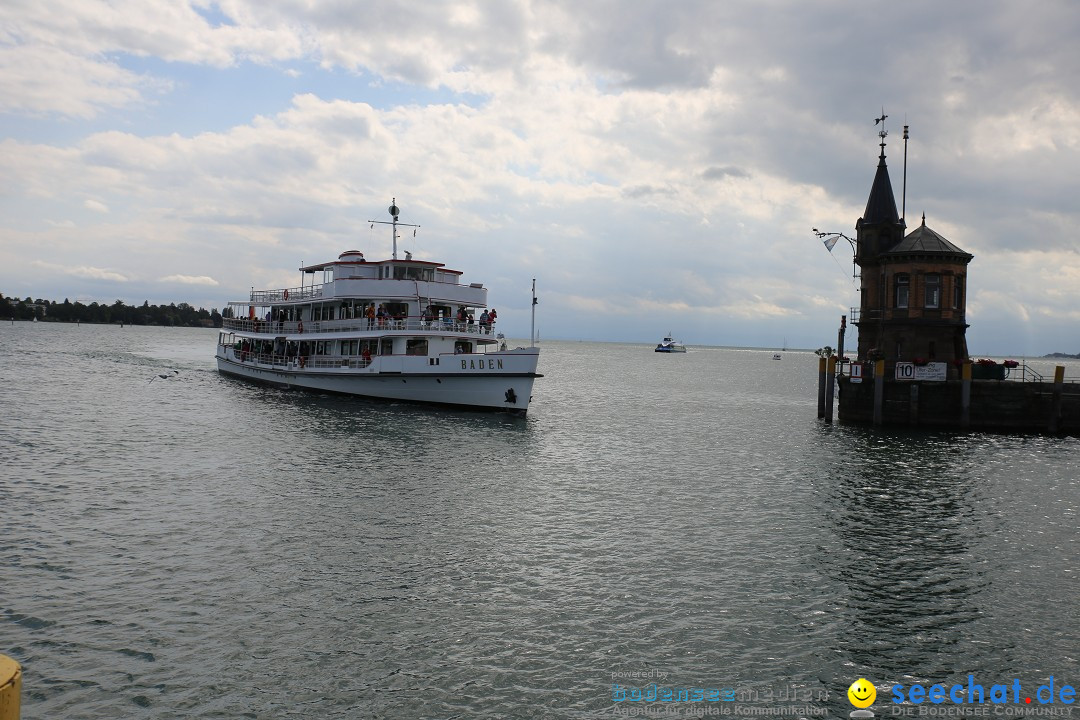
(655, 166)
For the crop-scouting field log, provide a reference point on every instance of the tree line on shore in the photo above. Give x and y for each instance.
(171, 315)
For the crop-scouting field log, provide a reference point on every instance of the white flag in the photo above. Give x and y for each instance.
(830, 242)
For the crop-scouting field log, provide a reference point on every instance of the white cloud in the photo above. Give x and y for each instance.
(81, 271)
(643, 161)
(189, 280)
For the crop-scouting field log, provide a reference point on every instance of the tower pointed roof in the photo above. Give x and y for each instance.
(924, 241)
(881, 205)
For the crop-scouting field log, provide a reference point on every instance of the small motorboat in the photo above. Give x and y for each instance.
(670, 345)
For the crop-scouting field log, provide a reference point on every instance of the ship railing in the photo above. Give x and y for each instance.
(410, 324)
(294, 362)
(276, 327)
(267, 297)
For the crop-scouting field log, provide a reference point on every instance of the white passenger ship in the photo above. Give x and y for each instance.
(393, 329)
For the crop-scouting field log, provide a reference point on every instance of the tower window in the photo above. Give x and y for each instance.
(903, 288)
(958, 293)
(933, 291)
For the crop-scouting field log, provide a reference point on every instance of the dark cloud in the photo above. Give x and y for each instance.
(719, 173)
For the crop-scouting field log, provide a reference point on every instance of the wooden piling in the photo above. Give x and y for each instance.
(879, 389)
(1055, 406)
(821, 388)
(10, 688)
(965, 396)
(830, 388)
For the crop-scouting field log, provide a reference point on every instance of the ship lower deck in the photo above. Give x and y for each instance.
(497, 387)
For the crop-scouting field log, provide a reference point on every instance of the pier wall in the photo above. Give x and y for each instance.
(996, 405)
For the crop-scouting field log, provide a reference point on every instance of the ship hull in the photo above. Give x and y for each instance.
(500, 382)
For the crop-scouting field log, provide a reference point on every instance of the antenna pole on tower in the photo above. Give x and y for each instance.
(903, 196)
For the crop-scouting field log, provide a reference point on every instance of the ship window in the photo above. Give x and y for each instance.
(903, 288)
(398, 311)
(933, 291)
(416, 346)
(349, 347)
(462, 347)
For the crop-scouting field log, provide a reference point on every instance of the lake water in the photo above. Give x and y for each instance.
(196, 546)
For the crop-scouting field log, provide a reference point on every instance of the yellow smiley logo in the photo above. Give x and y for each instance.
(862, 693)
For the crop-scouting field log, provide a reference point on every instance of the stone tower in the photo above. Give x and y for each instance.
(914, 288)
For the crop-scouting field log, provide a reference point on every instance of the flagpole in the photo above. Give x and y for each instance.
(829, 239)
(532, 326)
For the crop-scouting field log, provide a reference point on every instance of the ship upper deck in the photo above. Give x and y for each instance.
(353, 277)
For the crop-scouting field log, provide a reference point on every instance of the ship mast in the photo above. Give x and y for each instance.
(394, 213)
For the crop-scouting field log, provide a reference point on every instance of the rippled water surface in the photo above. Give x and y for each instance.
(194, 546)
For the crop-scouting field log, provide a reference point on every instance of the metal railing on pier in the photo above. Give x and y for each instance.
(1012, 370)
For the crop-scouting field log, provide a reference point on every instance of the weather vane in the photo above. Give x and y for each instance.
(882, 133)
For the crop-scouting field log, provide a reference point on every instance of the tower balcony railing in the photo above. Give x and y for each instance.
(859, 315)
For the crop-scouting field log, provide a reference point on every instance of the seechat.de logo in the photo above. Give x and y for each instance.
(862, 693)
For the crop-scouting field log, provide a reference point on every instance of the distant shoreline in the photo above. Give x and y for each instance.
(1062, 355)
(119, 313)
(118, 323)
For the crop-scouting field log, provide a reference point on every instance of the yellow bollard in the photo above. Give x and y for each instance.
(10, 688)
